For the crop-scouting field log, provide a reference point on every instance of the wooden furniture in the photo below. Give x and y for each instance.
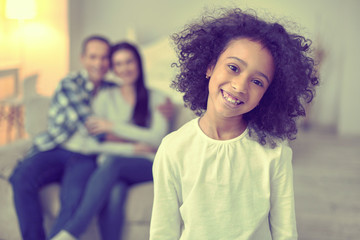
(12, 100)
(10, 111)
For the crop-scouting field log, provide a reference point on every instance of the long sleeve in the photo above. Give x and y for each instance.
(165, 220)
(72, 95)
(152, 135)
(109, 105)
(70, 105)
(282, 211)
(119, 113)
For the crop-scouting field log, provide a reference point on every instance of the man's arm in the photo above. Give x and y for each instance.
(77, 96)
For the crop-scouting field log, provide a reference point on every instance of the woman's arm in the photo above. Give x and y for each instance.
(152, 135)
(127, 131)
(282, 208)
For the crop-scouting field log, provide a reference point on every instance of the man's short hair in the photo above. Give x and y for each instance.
(94, 37)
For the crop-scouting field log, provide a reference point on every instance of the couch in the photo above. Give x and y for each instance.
(139, 201)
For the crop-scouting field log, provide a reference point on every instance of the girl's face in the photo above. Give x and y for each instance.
(125, 66)
(239, 79)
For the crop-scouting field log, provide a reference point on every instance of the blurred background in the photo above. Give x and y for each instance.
(44, 39)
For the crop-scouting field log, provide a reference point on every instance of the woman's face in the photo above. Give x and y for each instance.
(125, 66)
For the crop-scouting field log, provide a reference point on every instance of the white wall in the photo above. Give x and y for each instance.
(331, 24)
(349, 108)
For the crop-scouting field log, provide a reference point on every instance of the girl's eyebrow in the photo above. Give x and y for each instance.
(245, 64)
(240, 60)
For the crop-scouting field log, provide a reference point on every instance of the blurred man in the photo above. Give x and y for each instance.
(50, 159)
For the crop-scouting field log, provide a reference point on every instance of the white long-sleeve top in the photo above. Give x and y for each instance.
(111, 105)
(208, 189)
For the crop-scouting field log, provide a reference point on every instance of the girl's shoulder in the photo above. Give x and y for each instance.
(177, 144)
(251, 147)
(278, 153)
(182, 135)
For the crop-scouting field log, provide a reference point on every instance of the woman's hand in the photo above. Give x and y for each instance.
(96, 125)
(143, 148)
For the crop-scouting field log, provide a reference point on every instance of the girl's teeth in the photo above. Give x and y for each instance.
(230, 99)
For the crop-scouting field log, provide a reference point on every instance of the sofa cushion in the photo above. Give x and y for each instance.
(36, 113)
(10, 155)
(139, 203)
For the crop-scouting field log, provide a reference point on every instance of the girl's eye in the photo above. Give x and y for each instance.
(257, 82)
(233, 68)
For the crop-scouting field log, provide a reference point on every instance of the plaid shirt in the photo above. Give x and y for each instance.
(71, 105)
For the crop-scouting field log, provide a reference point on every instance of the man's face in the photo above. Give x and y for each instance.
(95, 60)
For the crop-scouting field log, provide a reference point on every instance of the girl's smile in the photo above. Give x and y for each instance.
(231, 100)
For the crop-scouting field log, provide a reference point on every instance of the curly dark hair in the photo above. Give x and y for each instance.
(201, 43)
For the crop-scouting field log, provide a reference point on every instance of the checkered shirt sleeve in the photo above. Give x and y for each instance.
(70, 105)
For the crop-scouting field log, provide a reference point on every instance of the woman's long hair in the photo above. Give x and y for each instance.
(141, 114)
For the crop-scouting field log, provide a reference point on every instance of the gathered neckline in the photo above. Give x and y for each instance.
(227, 141)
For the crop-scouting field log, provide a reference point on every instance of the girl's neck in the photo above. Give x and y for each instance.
(128, 92)
(222, 128)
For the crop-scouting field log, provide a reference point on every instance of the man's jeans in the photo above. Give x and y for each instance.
(70, 169)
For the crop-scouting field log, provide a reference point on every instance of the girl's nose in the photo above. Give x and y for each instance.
(240, 85)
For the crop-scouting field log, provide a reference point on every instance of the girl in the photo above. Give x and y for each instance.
(228, 174)
(131, 118)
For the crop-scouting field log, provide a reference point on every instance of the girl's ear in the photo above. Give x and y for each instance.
(209, 71)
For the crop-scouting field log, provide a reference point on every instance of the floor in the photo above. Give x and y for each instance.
(327, 186)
